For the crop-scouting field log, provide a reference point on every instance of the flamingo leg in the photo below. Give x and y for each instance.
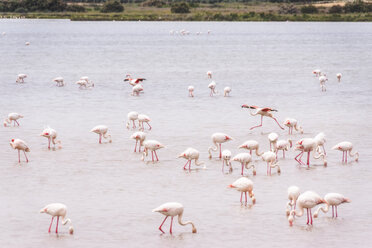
(324, 150)
(158, 159)
(220, 152)
(149, 125)
(283, 154)
(258, 125)
(333, 214)
(345, 156)
(277, 122)
(51, 224)
(170, 230)
(186, 164)
(16, 122)
(242, 168)
(308, 159)
(190, 164)
(100, 138)
(135, 147)
(299, 161)
(311, 217)
(134, 124)
(336, 211)
(301, 158)
(162, 224)
(307, 216)
(49, 143)
(223, 164)
(19, 156)
(245, 198)
(57, 224)
(250, 151)
(241, 197)
(25, 156)
(152, 156)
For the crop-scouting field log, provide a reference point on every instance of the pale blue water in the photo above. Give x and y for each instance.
(110, 193)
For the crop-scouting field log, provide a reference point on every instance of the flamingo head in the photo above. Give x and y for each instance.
(43, 210)
(182, 155)
(231, 186)
(290, 220)
(5, 124)
(158, 146)
(337, 148)
(160, 210)
(228, 138)
(45, 134)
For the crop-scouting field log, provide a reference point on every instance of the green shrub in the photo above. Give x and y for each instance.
(336, 9)
(358, 6)
(112, 6)
(309, 9)
(154, 3)
(287, 9)
(75, 8)
(20, 10)
(180, 8)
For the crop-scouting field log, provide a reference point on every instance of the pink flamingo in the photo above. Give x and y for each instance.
(226, 156)
(293, 194)
(143, 119)
(283, 145)
(345, 147)
(133, 81)
(251, 145)
(12, 117)
(151, 145)
(209, 74)
(102, 131)
(308, 145)
(20, 145)
(191, 91)
(245, 158)
(263, 112)
(218, 139)
(292, 123)
(57, 210)
(270, 158)
(244, 185)
(190, 154)
(339, 75)
(334, 200)
(212, 86)
(138, 136)
(51, 135)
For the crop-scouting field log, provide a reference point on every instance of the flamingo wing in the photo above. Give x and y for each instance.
(248, 106)
(268, 110)
(139, 80)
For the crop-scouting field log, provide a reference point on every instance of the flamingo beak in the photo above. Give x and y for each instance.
(231, 186)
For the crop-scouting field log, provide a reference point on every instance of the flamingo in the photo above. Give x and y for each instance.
(308, 145)
(138, 136)
(293, 194)
(334, 200)
(322, 81)
(244, 185)
(226, 91)
(283, 145)
(292, 123)
(173, 209)
(20, 145)
(263, 112)
(209, 74)
(133, 81)
(270, 158)
(212, 86)
(320, 140)
(59, 81)
(51, 134)
(21, 78)
(12, 117)
(245, 158)
(57, 210)
(190, 154)
(132, 116)
(346, 146)
(137, 89)
(191, 91)
(218, 139)
(339, 75)
(88, 82)
(102, 131)
(273, 139)
(151, 145)
(143, 119)
(317, 72)
(307, 200)
(226, 156)
(27, 43)
(84, 84)
(251, 145)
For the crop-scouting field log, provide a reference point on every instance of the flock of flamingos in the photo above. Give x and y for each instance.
(301, 201)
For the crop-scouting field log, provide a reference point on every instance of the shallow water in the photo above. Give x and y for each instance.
(110, 193)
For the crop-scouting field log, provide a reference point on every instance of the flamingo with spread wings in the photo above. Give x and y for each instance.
(263, 112)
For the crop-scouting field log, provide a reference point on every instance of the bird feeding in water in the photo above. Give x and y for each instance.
(12, 117)
(21, 78)
(293, 194)
(270, 158)
(226, 91)
(226, 156)
(212, 86)
(218, 139)
(20, 145)
(345, 147)
(143, 119)
(244, 158)
(101, 130)
(292, 123)
(339, 75)
(263, 112)
(190, 154)
(60, 82)
(244, 185)
(151, 145)
(132, 117)
(308, 145)
(51, 135)
(334, 200)
(57, 210)
(191, 91)
(173, 209)
(251, 145)
(138, 136)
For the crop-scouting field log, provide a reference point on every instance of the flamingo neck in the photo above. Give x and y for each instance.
(185, 223)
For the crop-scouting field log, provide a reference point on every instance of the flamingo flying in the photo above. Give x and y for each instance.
(190, 154)
(102, 131)
(132, 116)
(209, 74)
(143, 119)
(51, 135)
(173, 209)
(151, 145)
(226, 91)
(138, 136)
(307, 200)
(21, 78)
(244, 185)
(292, 123)
(133, 81)
(59, 81)
(308, 145)
(251, 145)
(293, 194)
(57, 210)
(270, 158)
(20, 145)
(273, 139)
(12, 117)
(263, 112)
(218, 139)
(226, 156)
(283, 145)
(339, 75)
(191, 91)
(345, 147)
(212, 86)
(334, 200)
(245, 158)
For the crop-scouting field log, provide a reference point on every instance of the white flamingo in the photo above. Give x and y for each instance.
(191, 91)
(12, 117)
(339, 75)
(132, 117)
(273, 139)
(283, 145)
(218, 139)
(137, 89)
(143, 119)
(190, 154)
(21, 78)
(320, 140)
(209, 74)
(51, 135)
(20, 145)
(151, 145)
(244, 185)
(334, 200)
(345, 147)
(60, 82)
(212, 86)
(226, 156)
(245, 158)
(293, 194)
(101, 130)
(251, 145)
(270, 158)
(292, 123)
(308, 145)
(322, 80)
(57, 210)
(138, 136)
(263, 112)
(173, 209)
(226, 91)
